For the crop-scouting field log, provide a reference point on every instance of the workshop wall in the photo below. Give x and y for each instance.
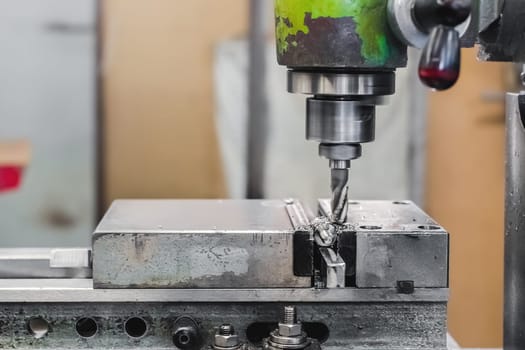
(465, 193)
(47, 105)
(160, 136)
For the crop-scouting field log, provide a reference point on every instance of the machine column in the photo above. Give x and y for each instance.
(514, 309)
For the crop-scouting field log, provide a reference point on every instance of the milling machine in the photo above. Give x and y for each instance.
(267, 274)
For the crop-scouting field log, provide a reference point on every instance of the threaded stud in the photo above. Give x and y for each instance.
(226, 329)
(290, 314)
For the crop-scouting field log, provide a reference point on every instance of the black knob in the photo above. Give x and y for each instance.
(440, 60)
(431, 13)
(441, 57)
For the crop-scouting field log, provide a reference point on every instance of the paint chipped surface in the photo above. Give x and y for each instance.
(368, 15)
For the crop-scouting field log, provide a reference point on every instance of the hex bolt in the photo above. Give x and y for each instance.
(225, 338)
(290, 315)
(226, 329)
(289, 333)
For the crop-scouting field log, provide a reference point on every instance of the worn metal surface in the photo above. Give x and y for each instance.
(391, 215)
(164, 216)
(81, 291)
(336, 34)
(195, 244)
(502, 30)
(514, 310)
(489, 12)
(396, 241)
(383, 258)
(358, 326)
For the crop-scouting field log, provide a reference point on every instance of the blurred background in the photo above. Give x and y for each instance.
(153, 99)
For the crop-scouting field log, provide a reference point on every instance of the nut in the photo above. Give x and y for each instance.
(227, 341)
(340, 151)
(290, 330)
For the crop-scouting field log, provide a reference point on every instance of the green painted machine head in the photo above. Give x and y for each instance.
(336, 34)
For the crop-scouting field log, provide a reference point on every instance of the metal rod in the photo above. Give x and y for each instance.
(339, 186)
(100, 108)
(514, 294)
(68, 290)
(417, 131)
(257, 103)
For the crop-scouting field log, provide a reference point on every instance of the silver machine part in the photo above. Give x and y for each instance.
(226, 338)
(339, 121)
(45, 263)
(341, 84)
(290, 334)
(396, 242)
(339, 316)
(171, 244)
(386, 325)
(195, 244)
(341, 115)
(335, 268)
(65, 291)
(514, 308)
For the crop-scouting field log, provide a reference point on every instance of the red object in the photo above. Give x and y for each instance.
(440, 79)
(10, 177)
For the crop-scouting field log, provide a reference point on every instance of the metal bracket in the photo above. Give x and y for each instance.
(335, 268)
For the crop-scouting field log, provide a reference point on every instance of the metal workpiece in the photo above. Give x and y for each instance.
(334, 268)
(401, 215)
(246, 244)
(386, 258)
(299, 215)
(514, 309)
(324, 231)
(196, 244)
(336, 34)
(394, 242)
